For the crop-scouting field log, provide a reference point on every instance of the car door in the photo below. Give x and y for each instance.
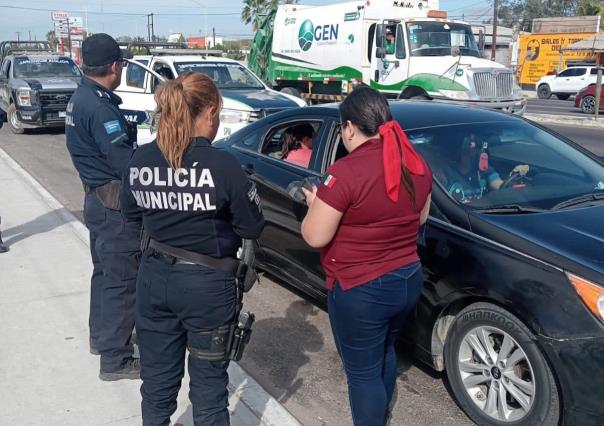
(568, 80)
(4, 90)
(281, 241)
(578, 81)
(138, 102)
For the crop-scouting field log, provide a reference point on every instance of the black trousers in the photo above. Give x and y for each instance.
(175, 302)
(115, 252)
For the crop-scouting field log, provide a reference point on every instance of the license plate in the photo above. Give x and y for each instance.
(61, 114)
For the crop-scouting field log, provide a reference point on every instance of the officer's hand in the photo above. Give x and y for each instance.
(521, 169)
(310, 195)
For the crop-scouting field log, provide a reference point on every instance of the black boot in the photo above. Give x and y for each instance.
(3, 247)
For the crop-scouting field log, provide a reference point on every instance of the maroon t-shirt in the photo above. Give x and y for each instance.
(376, 235)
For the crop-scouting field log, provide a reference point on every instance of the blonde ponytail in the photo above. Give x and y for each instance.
(179, 102)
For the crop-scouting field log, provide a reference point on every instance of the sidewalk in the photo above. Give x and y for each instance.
(47, 375)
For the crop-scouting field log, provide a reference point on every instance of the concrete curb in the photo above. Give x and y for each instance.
(263, 405)
(566, 121)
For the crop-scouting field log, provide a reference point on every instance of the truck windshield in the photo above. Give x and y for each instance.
(226, 75)
(45, 67)
(436, 39)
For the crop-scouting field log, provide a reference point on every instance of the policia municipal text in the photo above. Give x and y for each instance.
(101, 143)
(196, 205)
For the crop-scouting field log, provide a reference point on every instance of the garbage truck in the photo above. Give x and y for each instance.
(405, 49)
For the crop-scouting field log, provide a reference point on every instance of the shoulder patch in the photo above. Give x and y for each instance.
(329, 180)
(112, 126)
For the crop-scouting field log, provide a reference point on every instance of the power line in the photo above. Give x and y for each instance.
(120, 13)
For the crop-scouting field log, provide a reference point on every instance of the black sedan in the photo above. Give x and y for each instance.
(513, 302)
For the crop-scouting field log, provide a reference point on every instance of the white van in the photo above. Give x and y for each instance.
(245, 97)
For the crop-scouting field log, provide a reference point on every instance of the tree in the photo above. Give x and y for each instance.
(252, 9)
(52, 39)
(522, 12)
(588, 8)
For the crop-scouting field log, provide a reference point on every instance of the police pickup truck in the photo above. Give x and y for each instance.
(245, 97)
(35, 85)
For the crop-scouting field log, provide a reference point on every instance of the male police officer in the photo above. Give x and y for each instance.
(101, 143)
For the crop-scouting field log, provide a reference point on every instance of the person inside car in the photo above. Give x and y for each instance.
(297, 144)
(473, 175)
(390, 46)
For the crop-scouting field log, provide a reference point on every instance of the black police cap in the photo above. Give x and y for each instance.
(100, 49)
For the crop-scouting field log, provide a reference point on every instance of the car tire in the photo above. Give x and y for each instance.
(521, 377)
(588, 104)
(562, 96)
(544, 91)
(13, 121)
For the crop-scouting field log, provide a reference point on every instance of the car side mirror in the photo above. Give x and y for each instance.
(380, 52)
(455, 51)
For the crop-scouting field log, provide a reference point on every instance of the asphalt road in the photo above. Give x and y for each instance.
(554, 106)
(291, 354)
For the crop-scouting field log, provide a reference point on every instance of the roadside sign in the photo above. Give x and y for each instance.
(59, 16)
(76, 21)
(77, 37)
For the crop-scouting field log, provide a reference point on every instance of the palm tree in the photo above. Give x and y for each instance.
(253, 9)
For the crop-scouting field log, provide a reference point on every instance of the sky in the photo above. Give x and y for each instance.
(191, 17)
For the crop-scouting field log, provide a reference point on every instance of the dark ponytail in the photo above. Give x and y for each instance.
(368, 109)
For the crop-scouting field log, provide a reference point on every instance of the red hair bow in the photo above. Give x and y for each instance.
(397, 153)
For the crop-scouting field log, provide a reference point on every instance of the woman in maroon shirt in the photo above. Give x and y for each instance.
(365, 217)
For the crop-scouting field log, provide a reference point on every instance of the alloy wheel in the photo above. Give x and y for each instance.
(588, 105)
(496, 374)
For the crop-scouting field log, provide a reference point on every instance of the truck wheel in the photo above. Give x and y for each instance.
(14, 124)
(544, 92)
(496, 370)
(291, 91)
(562, 96)
(588, 104)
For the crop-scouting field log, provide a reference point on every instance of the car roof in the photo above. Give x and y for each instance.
(41, 56)
(421, 114)
(188, 58)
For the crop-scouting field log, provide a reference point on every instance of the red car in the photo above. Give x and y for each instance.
(586, 99)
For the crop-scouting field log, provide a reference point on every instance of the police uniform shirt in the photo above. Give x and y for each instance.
(97, 134)
(206, 206)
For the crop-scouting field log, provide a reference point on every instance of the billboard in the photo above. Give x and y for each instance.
(572, 25)
(540, 53)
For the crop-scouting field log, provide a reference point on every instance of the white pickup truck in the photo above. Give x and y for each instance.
(567, 82)
(245, 97)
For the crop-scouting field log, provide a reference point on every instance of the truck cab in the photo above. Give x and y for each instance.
(407, 50)
(35, 86)
(245, 97)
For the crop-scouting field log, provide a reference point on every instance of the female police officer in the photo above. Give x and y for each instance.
(196, 201)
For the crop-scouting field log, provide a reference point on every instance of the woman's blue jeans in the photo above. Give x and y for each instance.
(365, 322)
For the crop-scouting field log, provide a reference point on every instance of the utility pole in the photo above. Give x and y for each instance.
(18, 35)
(150, 30)
(214, 37)
(29, 35)
(494, 36)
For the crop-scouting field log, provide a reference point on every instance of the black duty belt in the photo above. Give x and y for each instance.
(225, 264)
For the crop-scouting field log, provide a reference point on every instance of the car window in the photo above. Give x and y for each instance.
(475, 164)
(135, 75)
(40, 67)
(580, 71)
(250, 141)
(570, 72)
(226, 75)
(5, 69)
(594, 71)
(292, 142)
(400, 43)
(164, 70)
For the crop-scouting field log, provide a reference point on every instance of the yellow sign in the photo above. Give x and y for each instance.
(540, 54)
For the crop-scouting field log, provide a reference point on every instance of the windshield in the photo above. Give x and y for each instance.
(45, 67)
(226, 75)
(512, 163)
(436, 39)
